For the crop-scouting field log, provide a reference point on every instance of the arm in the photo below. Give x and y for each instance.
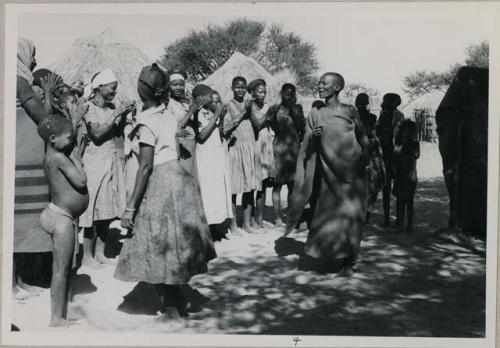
(259, 122)
(233, 122)
(98, 131)
(205, 133)
(72, 169)
(301, 122)
(146, 160)
(360, 131)
(416, 150)
(50, 84)
(195, 106)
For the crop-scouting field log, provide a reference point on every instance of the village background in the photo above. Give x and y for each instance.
(406, 285)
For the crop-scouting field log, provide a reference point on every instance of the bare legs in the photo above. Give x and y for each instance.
(260, 201)
(277, 202)
(64, 242)
(173, 301)
(402, 207)
(234, 225)
(94, 242)
(247, 203)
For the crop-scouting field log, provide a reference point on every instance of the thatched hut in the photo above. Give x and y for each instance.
(462, 127)
(422, 110)
(91, 54)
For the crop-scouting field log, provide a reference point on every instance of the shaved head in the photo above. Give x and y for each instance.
(336, 78)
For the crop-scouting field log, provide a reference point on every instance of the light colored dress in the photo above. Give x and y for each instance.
(187, 146)
(105, 173)
(171, 241)
(242, 153)
(213, 174)
(264, 154)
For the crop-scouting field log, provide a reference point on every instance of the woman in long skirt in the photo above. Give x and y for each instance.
(171, 239)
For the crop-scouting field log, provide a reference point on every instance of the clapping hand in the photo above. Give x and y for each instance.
(199, 103)
(81, 108)
(127, 219)
(51, 83)
(317, 131)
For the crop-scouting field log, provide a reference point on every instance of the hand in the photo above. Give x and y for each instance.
(81, 108)
(183, 133)
(199, 103)
(127, 220)
(317, 131)
(51, 83)
(123, 110)
(220, 110)
(249, 104)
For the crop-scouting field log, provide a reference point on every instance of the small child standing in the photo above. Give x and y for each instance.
(406, 153)
(69, 199)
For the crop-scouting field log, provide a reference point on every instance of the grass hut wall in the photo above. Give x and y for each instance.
(422, 110)
(89, 55)
(462, 126)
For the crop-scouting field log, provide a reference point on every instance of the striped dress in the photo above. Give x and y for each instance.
(31, 189)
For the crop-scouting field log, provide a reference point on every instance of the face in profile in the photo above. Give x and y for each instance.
(326, 86)
(177, 89)
(216, 100)
(108, 91)
(68, 103)
(239, 89)
(65, 141)
(33, 60)
(259, 93)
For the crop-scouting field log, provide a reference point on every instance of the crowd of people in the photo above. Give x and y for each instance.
(171, 169)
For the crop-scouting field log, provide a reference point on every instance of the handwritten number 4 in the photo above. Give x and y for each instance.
(296, 340)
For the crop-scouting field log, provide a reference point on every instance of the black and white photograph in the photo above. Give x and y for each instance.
(279, 174)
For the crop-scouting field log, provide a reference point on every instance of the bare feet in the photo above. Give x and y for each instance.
(248, 229)
(30, 288)
(92, 263)
(104, 260)
(278, 223)
(21, 294)
(170, 314)
(239, 232)
(346, 272)
(59, 322)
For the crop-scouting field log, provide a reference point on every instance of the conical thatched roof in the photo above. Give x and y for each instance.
(91, 54)
(240, 65)
(428, 102)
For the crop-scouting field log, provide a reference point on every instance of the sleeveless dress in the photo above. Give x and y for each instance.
(245, 176)
(286, 144)
(103, 166)
(171, 241)
(264, 147)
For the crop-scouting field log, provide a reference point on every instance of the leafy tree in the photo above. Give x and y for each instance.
(202, 52)
(287, 50)
(420, 82)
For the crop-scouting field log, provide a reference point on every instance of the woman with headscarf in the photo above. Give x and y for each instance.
(264, 159)
(31, 188)
(171, 241)
(178, 105)
(103, 167)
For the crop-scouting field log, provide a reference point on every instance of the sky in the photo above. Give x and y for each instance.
(373, 44)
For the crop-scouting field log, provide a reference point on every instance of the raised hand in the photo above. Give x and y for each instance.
(200, 102)
(81, 108)
(51, 83)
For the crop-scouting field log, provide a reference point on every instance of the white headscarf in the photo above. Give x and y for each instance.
(103, 78)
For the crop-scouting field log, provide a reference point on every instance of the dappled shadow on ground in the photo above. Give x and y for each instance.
(404, 285)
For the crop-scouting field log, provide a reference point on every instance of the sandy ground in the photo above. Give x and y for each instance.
(404, 285)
